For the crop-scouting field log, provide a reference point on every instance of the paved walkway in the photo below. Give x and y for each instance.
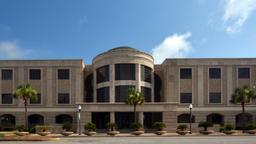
(151, 140)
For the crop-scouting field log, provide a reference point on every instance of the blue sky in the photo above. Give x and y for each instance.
(49, 29)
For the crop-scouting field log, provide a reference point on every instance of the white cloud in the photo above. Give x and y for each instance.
(174, 46)
(236, 13)
(11, 50)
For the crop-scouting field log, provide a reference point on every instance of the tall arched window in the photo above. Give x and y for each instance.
(215, 118)
(185, 118)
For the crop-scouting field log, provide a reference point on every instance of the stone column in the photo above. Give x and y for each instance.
(112, 117)
(141, 118)
(112, 83)
(137, 77)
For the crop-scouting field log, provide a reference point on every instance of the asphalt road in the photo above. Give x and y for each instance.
(151, 140)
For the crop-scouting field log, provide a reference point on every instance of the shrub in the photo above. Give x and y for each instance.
(112, 126)
(182, 127)
(20, 128)
(136, 126)
(205, 125)
(228, 127)
(42, 128)
(250, 127)
(90, 126)
(67, 126)
(8, 129)
(32, 130)
(159, 126)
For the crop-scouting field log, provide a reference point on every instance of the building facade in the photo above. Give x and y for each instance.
(102, 87)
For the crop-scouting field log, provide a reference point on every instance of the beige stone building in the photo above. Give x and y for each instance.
(101, 89)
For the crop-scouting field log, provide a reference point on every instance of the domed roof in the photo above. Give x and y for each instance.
(122, 49)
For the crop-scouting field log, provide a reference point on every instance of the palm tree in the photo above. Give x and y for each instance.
(135, 98)
(26, 93)
(243, 96)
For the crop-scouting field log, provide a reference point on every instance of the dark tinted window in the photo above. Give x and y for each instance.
(243, 73)
(185, 97)
(215, 97)
(146, 92)
(185, 118)
(125, 71)
(37, 100)
(215, 119)
(100, 119)
(35, 74)
(146, 73)
(121, 93)
(63, 118)
(157, 88)
(214, 73)
(6, 74)
(102, 74)
(103, 94)
(63, 98)
(63, 74)
(7, 98)
(186, 73)
(88, 87)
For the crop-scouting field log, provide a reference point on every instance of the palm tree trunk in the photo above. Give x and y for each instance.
(134, 111)
(26, 111)
(243, 110)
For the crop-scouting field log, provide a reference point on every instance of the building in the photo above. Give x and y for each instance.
(101, 89)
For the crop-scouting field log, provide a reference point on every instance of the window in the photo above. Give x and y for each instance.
(185, 118)
(63, 98)
(100, 119)
(215, 97)
(37, 100)
(121, 93)
(146, 73)
(63, 74)
(35, 74)
(125, 71)
(102, 74)
(243, 73)
(6, 74)
(185, 97)
(214, 73)
(103, 94)
(146, 92)
(7, 98)
(185, 73)
(215, 119)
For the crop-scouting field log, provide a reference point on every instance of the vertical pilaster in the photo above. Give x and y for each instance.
(229, 83)
(138, 77)
(200, 86)
(94, 86)
(112, 83)
(20, 81)
(49, 81)
(79, 77)
(152, 86)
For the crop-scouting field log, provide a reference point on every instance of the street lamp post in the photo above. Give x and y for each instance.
(190, 117)
(78, 119)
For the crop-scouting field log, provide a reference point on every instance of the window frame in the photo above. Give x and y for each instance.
(5, 69)
(184, 77)
(69, 99)
(209, 97)
(29, 74)
(186, 93)
(11, 95)
(238, 73)
(214, 77)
